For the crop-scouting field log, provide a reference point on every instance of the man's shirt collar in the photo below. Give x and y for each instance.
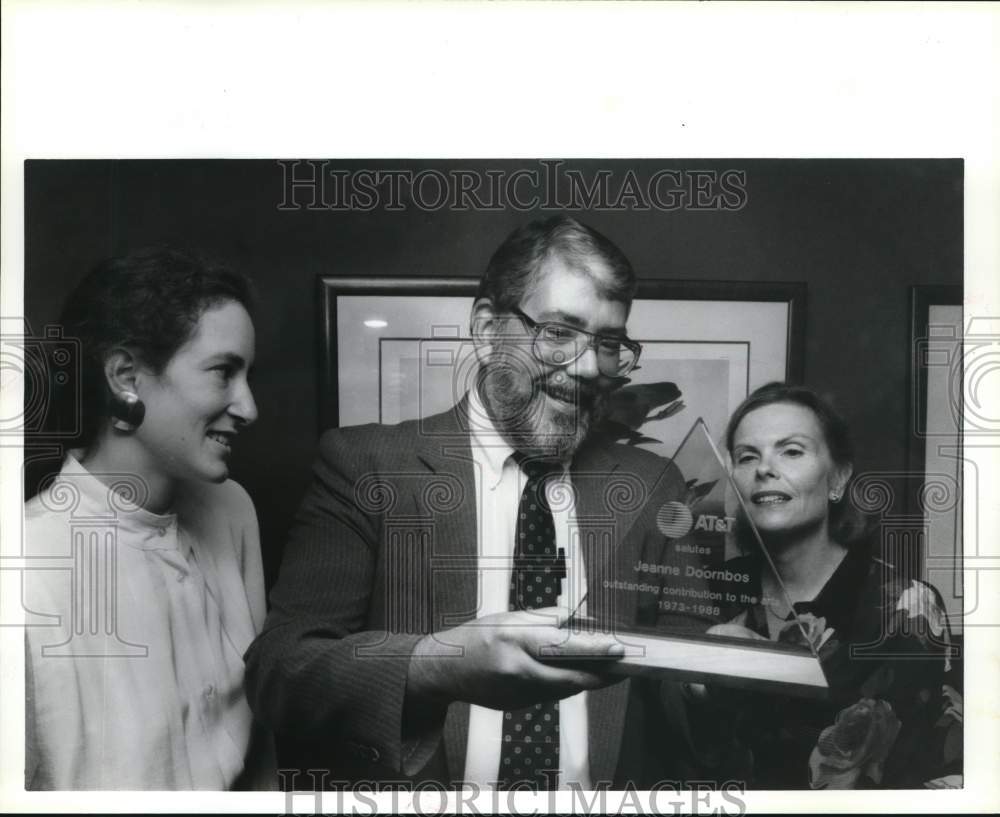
(487, 442)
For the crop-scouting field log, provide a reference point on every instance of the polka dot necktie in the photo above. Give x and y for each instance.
(529, 756)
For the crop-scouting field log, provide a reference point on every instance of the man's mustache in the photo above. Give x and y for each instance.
(569, 390)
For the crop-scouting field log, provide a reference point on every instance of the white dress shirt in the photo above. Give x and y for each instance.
(499, 483)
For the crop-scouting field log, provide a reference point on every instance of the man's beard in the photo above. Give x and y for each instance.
(518, 406)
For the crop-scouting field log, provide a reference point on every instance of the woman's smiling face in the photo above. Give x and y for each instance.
(202, 399)
(783, 468)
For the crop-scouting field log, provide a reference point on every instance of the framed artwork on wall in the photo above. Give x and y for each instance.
(934, 489)
(394, 349)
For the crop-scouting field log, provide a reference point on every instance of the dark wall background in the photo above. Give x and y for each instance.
(858, 233)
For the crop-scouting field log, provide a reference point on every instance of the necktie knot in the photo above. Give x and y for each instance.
(539, 473)
(536, 468)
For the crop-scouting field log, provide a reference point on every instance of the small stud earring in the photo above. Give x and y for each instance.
(834, 496)
(128, 411)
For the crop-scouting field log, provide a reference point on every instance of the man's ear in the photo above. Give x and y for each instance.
(485, 326)
(120, 370)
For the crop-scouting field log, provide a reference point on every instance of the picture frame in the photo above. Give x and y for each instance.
(735, 335)
(934, 457)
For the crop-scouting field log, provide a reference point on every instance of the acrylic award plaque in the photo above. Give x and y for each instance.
(691, 606)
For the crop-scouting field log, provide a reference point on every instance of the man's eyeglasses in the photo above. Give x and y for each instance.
(558, 344)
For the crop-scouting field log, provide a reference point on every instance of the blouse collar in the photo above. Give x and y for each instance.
(836, 601)
(137, 526)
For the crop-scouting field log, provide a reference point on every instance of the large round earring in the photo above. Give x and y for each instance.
(128, 411)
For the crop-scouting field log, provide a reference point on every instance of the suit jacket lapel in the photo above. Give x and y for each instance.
(447, 496)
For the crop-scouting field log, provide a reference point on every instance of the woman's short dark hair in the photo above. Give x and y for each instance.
(512, 271)
(847, 524)
(148, 301)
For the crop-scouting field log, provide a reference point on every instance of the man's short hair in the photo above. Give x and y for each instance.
(513, 270)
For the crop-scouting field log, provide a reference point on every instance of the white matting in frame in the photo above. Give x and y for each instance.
(400, 357)
(418, 377)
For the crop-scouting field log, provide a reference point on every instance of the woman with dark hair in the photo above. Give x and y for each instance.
(136, 682)
(883, 637)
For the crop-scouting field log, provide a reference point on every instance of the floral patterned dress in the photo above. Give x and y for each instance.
(885, 646)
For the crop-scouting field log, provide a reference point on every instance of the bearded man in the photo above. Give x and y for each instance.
(417, 627)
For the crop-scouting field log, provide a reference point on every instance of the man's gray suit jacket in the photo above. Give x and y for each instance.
(383, 551)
